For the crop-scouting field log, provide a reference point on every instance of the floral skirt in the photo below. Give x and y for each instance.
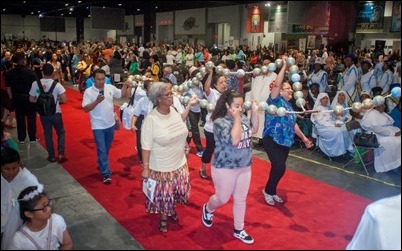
(171, 188)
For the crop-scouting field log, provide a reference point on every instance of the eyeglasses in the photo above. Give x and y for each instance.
(49, 204)
(168, 94)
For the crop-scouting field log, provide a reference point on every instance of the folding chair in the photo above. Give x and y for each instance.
(350, 126)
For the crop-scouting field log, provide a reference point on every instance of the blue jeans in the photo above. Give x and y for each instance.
(103, 140)
(55, 121)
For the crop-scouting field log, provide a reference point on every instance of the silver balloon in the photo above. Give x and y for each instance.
(219, 69)
(271, 67)
(378, 100)
(199, 76)
(144, 78)
(181, 98)
(130, 78)
(138, 77)
(272, 109)
(226, 72)
(203, 71)
(203, 103)
(264, 69)
(175, 88)
(338, 110)
(186, 99)
(210, 65)
(298, 94)
(195, 82)
(262, 106)
(240, 73)
(190, 84)
(297, 86)
(278, 63)
(134, 84)
(301, 102)
(180, 88)
(185, 86)
(256, 72)
(294, 69)
(368, 104)
(210, 107)
(281, 111)
(290, 61)
(247, 105)
(357, 107)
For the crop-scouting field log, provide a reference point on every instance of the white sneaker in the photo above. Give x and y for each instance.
(277, 198)
(269, 199)
(243, 236)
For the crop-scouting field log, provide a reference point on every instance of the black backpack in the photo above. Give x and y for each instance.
(45, 102)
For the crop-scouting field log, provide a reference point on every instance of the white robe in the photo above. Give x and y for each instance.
(10, 213)
(379, 227)
(260, 92)
(388, 155)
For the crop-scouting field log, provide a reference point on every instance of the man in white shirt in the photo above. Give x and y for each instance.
(98, 101)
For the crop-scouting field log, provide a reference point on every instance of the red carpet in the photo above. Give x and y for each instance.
(315, 216)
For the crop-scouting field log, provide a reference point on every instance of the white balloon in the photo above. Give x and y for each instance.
(297, 86)
(210, 65)
(290, 61)
(300, 102)
(256, 72)
(278, 63)
(281, 112)
(199, 76)
(226, 72)
(262, 106)
(264, 69)
(293, 69)
(272, 109)
(203, 103)
(240, 73)
(210, 107)
(368, 104)
(298, 94)
(357, 107)
(338, 110)
(247, 105)
(219, 70)
(203, 71)
(271, 67)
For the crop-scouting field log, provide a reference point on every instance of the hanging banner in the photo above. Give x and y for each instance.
(396, 17)
(278, 19)
(370, 17)
(255, 20)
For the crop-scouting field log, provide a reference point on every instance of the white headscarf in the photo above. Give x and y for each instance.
(335, 101)
(317, 103)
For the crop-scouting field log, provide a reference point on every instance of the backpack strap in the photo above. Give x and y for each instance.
(53, 86)
(132, 97)
(40, 86)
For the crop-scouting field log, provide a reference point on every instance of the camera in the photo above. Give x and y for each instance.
(101, 92)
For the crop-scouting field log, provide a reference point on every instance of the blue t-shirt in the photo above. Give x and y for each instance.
(281, 129)
(226, 155)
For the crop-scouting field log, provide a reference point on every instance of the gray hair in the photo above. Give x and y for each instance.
(157, 90)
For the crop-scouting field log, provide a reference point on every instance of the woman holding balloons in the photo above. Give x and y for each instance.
(279, 130)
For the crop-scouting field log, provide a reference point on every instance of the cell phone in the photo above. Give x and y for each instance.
(101, 92)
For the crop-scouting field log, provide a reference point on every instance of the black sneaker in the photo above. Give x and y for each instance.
(243, 236)
(206, 216)
(107, 180)
(35, 140)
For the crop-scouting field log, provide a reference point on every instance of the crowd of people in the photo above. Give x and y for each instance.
(164, 125)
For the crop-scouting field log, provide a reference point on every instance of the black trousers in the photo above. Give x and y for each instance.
(25, 115)
(210, 148)
(194, 118)
(278, 155)
(138, 124)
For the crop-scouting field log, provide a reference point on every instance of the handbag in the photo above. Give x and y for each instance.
(366, 139)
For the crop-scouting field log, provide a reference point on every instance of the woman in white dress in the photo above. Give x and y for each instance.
(341, 98)
(388, 155)
(332, 136)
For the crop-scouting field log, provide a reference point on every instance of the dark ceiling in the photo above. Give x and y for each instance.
(82, 8)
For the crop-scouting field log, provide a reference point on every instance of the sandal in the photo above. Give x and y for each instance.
(203, 174)
(163, 225)
(174, 216)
